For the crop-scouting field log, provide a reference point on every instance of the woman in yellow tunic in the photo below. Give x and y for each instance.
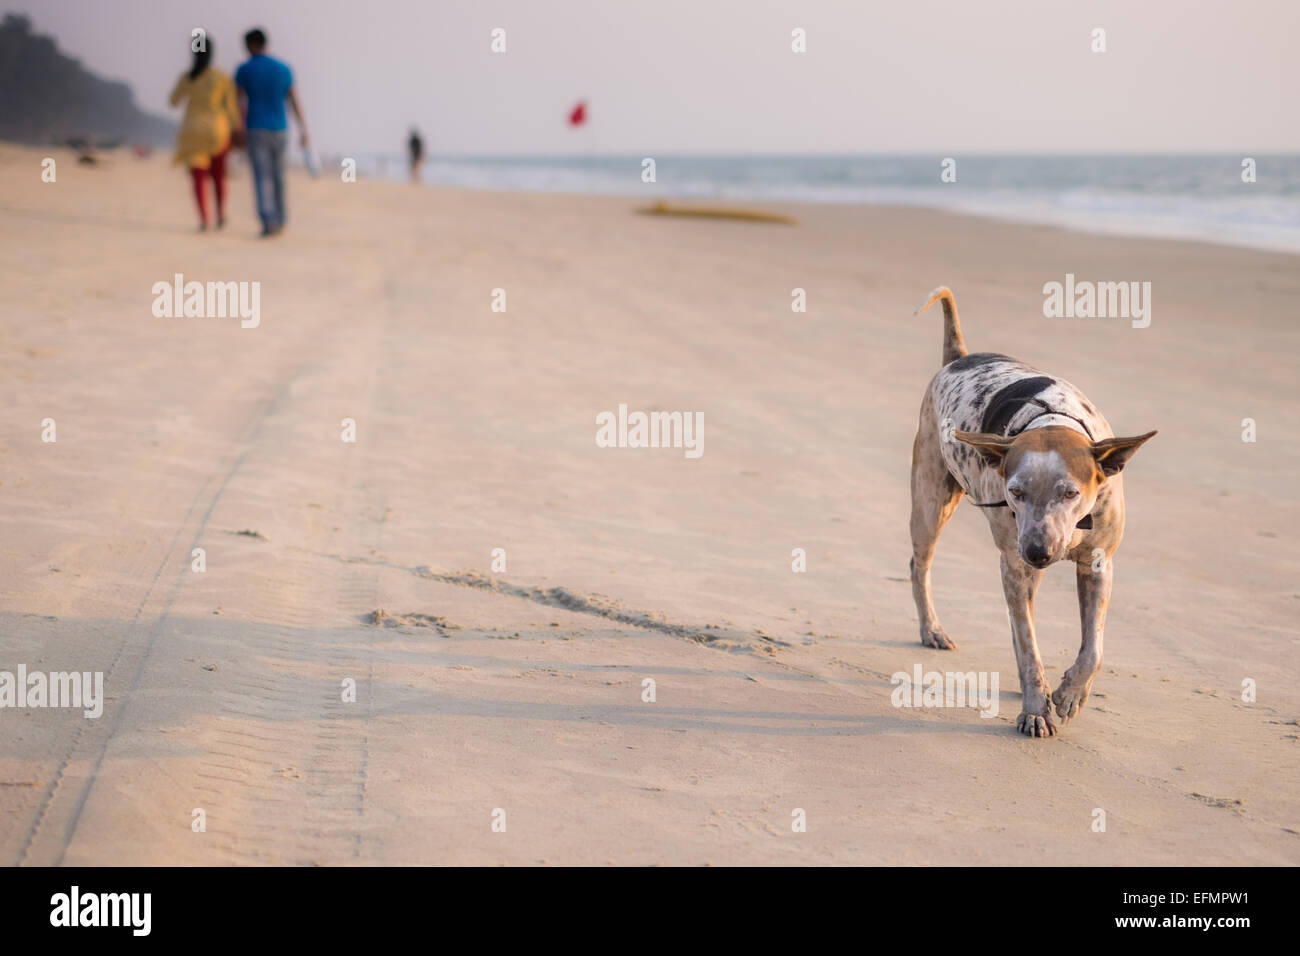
(211, 121)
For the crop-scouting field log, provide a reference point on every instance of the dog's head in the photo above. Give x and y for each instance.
(1053, 476)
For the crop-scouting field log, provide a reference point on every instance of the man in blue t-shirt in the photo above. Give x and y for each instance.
(264, 85)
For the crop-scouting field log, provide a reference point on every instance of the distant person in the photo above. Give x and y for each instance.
(211, 122)
(264, 85)
(416, 147)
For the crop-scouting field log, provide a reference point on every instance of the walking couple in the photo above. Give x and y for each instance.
(222, 114)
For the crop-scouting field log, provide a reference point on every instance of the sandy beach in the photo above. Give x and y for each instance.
(477, 691)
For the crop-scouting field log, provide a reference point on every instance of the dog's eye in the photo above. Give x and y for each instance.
(1016, 492)
(1071, 494)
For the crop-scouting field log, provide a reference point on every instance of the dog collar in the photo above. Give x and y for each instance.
(1048, 410)
(1006, 404)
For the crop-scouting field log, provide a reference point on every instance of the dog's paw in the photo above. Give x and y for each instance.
(935, 637)
(1036, 725)
(1070, 697)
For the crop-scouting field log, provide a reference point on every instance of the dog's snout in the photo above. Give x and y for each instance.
(1036, 555)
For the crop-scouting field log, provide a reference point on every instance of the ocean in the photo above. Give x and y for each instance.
(1175, 196)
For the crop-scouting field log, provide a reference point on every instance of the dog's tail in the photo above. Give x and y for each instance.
(954, 346)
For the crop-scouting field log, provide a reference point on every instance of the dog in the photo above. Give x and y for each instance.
(1033, 453)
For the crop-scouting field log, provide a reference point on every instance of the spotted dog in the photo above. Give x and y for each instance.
(1044, 465)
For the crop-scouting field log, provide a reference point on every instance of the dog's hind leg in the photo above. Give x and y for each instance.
(935, 494)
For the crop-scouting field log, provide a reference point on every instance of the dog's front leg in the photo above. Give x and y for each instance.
(1020, 584)
(1094, 598)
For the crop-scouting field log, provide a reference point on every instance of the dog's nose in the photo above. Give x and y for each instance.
(1037, 556)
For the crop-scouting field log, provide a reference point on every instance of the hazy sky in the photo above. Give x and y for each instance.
(674, 76)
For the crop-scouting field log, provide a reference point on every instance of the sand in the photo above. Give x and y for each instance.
(516, 696)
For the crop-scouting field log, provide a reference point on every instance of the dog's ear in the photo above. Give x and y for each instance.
(1112, 454)
(992, 448)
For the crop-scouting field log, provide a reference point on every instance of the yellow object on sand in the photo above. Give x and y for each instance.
(716, 212)
(211, 114)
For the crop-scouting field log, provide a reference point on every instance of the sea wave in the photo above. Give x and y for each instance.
(1198, 197)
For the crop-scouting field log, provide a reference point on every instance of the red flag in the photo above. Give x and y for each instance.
(579, 114)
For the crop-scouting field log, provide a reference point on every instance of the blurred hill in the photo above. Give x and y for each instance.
(46, 96)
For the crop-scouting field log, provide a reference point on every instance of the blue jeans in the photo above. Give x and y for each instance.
(266, 153)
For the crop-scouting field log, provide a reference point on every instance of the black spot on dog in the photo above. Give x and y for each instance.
(1010, 400)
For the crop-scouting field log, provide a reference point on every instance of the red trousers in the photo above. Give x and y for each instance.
(200, 176)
